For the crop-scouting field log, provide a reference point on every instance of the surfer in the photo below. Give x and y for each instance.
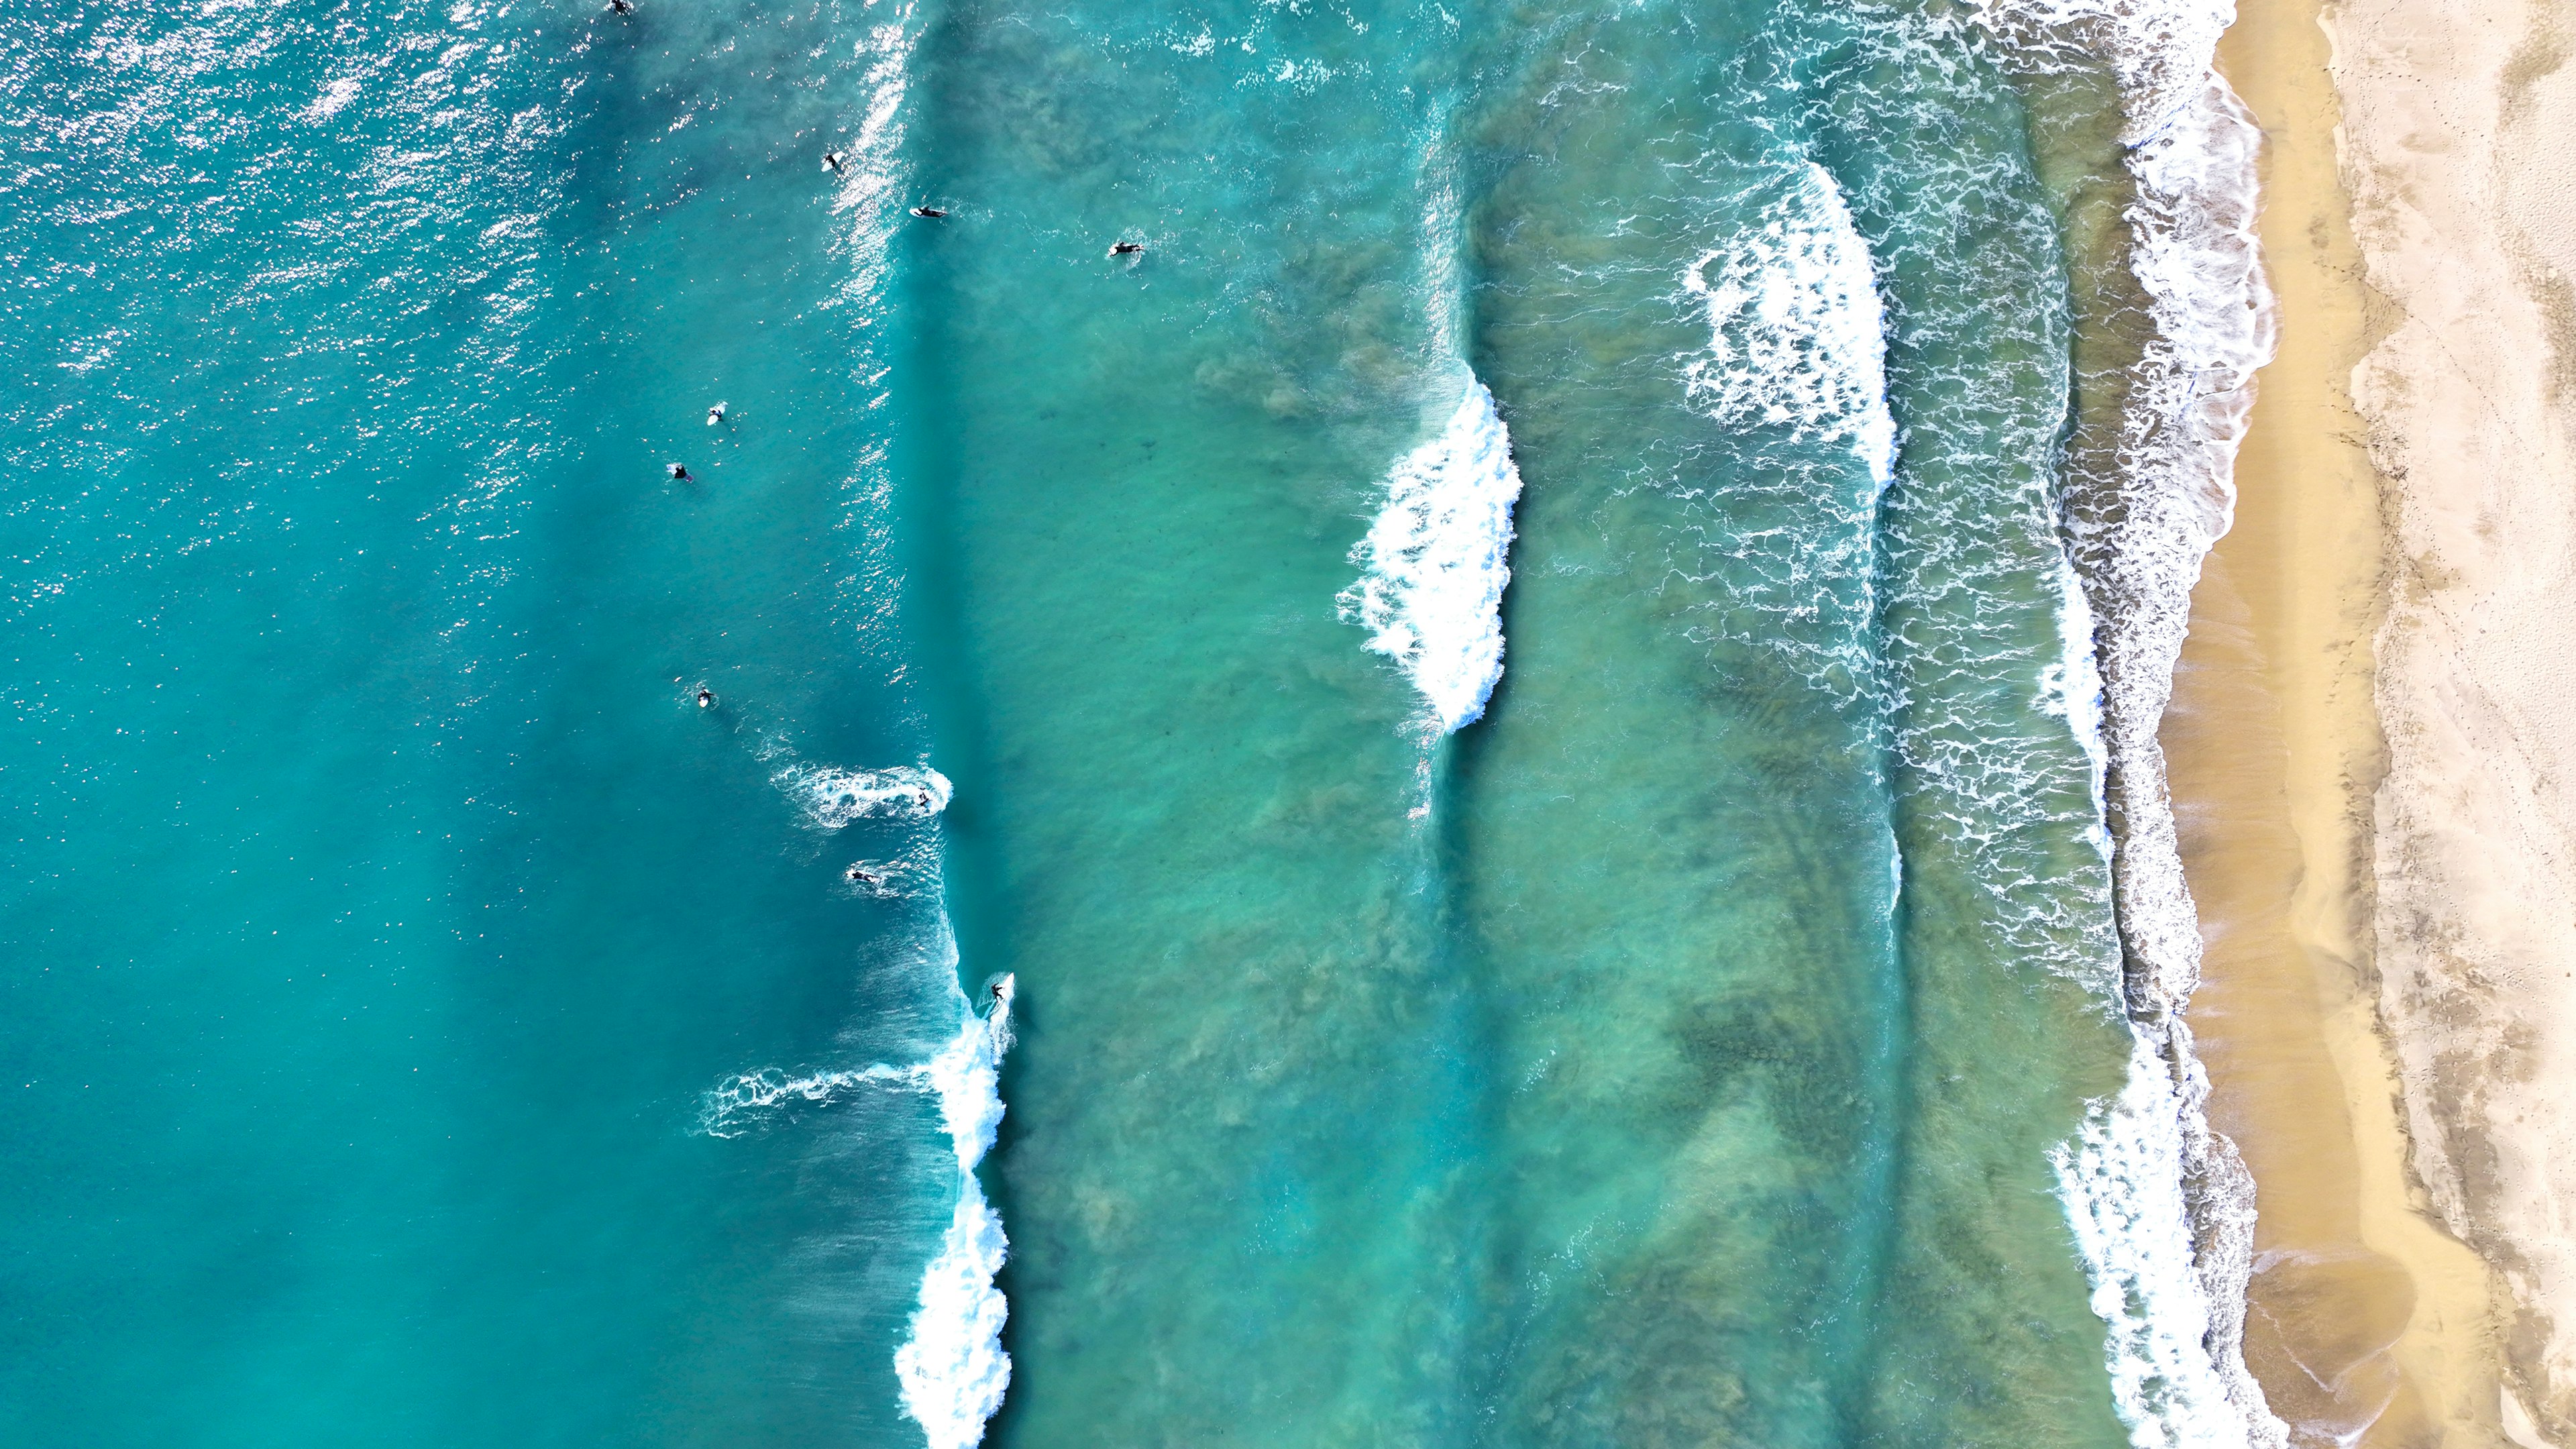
(715, 414)
(934, 213)
(925, 797)
(680, 474)
(1125, 248)
(706, 697)
(832, 161)
(862, 877)
(621, 7)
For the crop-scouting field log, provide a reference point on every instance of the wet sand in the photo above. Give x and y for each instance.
(2367, 1323)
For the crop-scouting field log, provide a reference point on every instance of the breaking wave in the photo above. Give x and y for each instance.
(1436, 561)
(952, 1369)
(831, 798)
(1797, 336)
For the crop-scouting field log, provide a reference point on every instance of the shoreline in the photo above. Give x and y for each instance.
(2368, 1323)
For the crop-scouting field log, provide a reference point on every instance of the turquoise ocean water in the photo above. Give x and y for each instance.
(503, 945)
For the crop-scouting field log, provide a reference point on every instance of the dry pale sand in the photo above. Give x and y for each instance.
(2375, 726)
(2457, 124)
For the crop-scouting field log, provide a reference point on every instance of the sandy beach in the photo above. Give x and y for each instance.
(2454, 144)
(2369, 741)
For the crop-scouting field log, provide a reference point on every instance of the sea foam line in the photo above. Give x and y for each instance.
(1436, 560)
(2161, 1203)
(2181, 1365)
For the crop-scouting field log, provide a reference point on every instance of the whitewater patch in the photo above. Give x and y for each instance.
(1797, 335)
(1436, 561)
(2070, 687)
(831, 798)
(2124, 1182)
(952, 1369)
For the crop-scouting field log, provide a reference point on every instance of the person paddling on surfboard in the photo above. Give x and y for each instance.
(1126, 248)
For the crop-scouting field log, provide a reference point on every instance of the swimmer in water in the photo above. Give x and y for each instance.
(706, 697)
(680, 474)
(832, 161)
(934, 213)
(1125, 249)
(715, 414)
(621, 7)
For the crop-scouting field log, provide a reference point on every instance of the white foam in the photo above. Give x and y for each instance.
(2070, 687)
(832, 798)
(733, 1107)
(953, 1370)
(1436, 561)
(883, 880)
(1796, 352)
(2159, 51)
(2140, 550)
(2122, 1180)
(1797, 336)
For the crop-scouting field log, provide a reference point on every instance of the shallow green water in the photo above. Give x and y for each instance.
(1671, 1057)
